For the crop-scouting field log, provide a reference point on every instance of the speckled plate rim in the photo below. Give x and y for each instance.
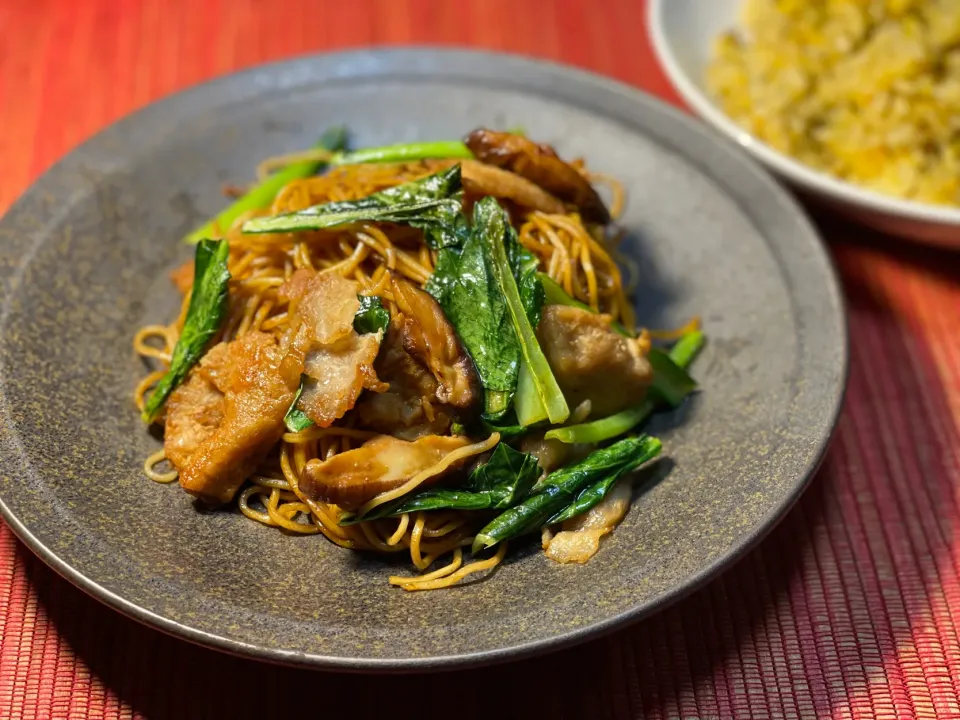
(596, 90)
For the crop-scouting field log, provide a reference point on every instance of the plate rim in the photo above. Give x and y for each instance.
(427, 55)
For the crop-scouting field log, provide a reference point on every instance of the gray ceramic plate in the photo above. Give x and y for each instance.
(84, 257)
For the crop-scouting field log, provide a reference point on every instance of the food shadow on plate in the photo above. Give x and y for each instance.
(652, 296)
(664, 421)
(156, 432)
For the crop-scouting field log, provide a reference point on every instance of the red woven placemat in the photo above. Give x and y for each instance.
(847, 610)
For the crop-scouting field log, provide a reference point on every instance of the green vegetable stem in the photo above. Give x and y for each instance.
(671, 383)
(205, 314)
(404, 152)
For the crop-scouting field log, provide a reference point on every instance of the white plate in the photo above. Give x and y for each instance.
(683, 32)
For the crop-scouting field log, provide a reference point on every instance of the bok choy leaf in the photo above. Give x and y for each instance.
(490, 291)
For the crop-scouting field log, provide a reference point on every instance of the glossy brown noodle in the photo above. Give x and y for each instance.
(576, 257)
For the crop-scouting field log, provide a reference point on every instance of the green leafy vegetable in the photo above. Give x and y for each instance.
(432, 204)
(465, 286)
(562, 487)
(435, 499)
(263, 194)
(502, 481)
(506, 477)
(205, 313)
(490, 291)
(671, 383)
(556, 295)
(295, 419)
(446, 273)
(372, 316)
(682, 354)
(493, 225)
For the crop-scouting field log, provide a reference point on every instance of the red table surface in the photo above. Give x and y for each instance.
(848, 609)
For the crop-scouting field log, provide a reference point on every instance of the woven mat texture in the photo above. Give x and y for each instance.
(849, 609)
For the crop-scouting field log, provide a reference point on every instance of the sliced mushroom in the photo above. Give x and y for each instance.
(429, 337)
(540, 165)
(431, 377)
(379, 465)
(483, 179)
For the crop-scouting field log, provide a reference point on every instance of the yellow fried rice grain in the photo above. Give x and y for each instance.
(867, 90)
